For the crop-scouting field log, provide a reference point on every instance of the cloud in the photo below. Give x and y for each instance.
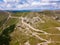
(35, 3)
(22, 5)
(10, 0)
(28, 4)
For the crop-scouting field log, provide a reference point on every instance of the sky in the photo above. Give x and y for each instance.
(29, 4)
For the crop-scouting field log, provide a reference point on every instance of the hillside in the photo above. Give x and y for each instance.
(30, 28)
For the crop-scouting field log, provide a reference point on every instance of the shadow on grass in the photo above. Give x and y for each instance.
(5, 36)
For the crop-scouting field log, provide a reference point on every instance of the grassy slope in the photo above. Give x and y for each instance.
(49, 23)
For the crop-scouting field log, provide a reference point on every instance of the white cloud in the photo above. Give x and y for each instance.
(29, 4)
(11, 1)
(35, 3)
(22, 6)
(49, 0)
(9, 5)
(45, 1)
(42, 3)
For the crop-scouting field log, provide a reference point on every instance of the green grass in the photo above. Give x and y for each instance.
(52, 31)
(55, 38)
(54, 44)
(48, 24)
(34, 41)
(3, 16)
(18, 35)
(19, 14)
(11, 21)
